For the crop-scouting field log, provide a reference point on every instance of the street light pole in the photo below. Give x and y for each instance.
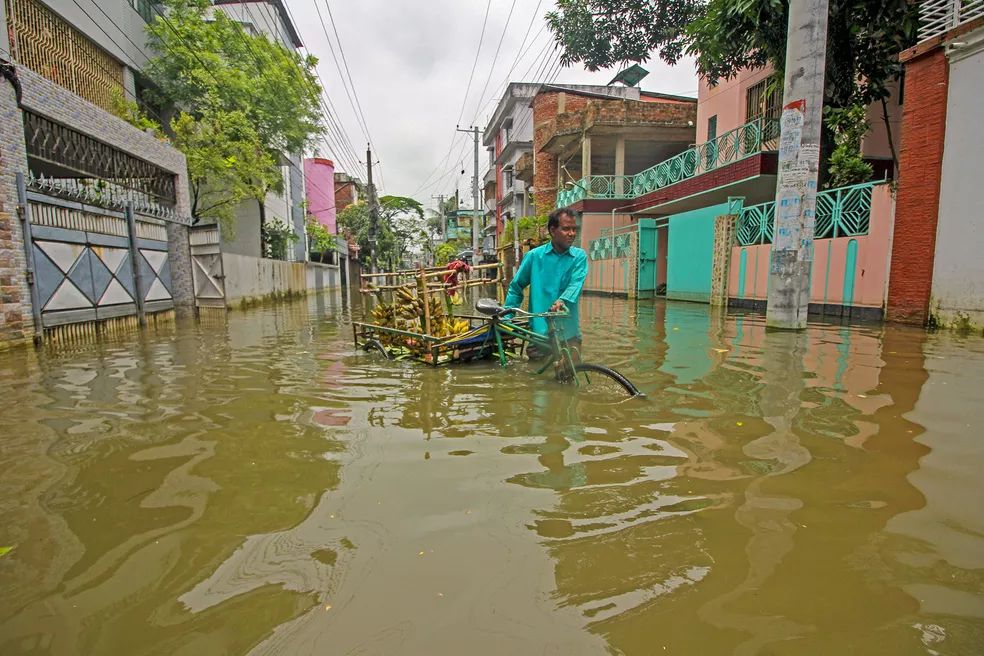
(791, 259)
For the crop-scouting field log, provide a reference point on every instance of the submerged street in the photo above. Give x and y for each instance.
(253, 484)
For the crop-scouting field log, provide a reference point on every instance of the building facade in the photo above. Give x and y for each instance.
(507, 138)
(692, 219)
(94, 213)
(936, 263)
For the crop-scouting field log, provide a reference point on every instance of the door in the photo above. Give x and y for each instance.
(646, 283)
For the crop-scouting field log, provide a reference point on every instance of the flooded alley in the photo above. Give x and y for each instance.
(252, 484)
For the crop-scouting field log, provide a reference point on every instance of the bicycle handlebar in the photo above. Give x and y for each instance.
(535, 315)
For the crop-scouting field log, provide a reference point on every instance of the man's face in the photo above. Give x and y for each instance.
(563, 235)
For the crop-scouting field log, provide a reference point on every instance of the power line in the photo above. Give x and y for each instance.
(338, 147)
(122, 50)
(357, 106)
(342, 138)
(504, 84)
(495, 58)
(464, 101)
(478, 52)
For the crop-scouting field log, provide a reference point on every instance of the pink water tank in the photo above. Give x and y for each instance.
(319, 186)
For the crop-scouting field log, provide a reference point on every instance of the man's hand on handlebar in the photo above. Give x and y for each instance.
(558, 306)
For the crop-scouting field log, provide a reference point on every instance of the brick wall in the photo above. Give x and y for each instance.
(16, 323)
(344, 195)
(544, 164)
(917, 205)
(563, 113)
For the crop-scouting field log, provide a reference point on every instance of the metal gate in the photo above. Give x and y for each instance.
(206, 266)
(92, 264)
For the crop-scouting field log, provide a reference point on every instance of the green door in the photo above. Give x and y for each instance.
(646, 284)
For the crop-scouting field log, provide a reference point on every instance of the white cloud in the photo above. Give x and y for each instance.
(410, 63)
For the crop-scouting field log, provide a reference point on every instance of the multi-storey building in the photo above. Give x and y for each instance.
(102, 228)
(507, 138)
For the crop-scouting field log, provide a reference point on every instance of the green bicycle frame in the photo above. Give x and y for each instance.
(552, 343)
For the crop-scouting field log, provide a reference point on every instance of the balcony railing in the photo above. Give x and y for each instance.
(940, 16)
(749, 139)
(841, 212)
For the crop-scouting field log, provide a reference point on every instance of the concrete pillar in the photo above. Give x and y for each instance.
(129, 84)
(586, 157)
(724, 239)
(621, 185)
(791, 262)
(16, 320)
(4, 39)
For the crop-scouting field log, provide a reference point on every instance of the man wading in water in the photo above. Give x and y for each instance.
(555, 274)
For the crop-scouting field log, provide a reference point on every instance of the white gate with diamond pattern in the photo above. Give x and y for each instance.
(206, 266)
(89, 264)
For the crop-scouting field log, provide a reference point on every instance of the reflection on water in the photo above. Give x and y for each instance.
(251, 484)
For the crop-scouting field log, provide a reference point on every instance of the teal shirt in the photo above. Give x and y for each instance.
(551, 276)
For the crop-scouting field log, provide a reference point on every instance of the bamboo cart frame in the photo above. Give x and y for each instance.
(477, 343)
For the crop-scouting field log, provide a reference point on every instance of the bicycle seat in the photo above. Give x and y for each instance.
(489, 307)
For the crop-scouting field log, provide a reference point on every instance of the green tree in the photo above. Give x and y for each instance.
(241, 93)
(227, 162)
(864, 39)
(401, 221)
(321, 241)
(444, 252)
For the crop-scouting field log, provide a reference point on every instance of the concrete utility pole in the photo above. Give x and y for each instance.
(799, 162)
(373, 212)
(475, 198)
(444, 217)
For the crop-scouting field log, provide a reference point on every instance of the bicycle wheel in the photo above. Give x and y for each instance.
(376, 345)
(601, 377)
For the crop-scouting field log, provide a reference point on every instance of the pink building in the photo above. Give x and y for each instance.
(319, 187)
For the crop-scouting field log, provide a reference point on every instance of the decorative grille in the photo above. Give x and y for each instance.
(44, 42)
(121, 177)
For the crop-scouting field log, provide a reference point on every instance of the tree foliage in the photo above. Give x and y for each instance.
(401, 222)
(227, 162)
(847, 166)
(320, 240)
(601, 33)
(864, 38)
(242, 99)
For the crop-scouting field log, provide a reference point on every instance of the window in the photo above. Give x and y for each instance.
(763, 100)
(145, 8)
(712, 128)
(508, 173)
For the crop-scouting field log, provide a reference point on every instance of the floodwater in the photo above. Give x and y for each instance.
(253, 485)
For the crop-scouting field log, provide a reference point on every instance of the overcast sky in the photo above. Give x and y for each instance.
(410, 64)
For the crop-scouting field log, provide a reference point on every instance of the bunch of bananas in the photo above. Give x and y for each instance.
(407, 313)
(445, 326)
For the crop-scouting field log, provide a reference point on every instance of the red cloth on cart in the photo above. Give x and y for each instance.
(454, 269)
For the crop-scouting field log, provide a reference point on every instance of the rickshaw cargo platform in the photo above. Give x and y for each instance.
(478, 343)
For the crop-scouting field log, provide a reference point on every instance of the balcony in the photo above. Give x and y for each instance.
(937, 17)
(841, 212)
(760, 135)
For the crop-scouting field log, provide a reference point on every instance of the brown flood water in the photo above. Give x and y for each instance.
(253, 485)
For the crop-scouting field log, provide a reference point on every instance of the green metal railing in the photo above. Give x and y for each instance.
(746, 140)
(841, 212)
